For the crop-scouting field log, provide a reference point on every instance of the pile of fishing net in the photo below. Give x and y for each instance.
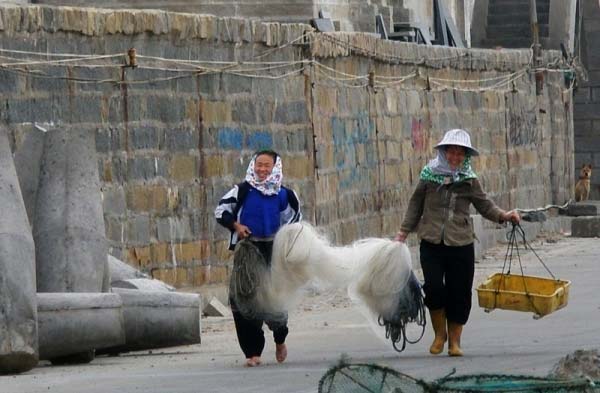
(372, 378)
(376, 273)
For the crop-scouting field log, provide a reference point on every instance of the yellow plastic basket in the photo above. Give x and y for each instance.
(541, 296)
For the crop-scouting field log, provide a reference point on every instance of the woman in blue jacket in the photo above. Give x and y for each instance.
(254, 210)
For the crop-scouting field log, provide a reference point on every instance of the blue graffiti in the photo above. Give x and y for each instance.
(230, 138)
(257, 140)
(350, 133)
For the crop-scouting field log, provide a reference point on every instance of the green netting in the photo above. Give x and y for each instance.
(513, 383)
(372, 378)
(367, 378)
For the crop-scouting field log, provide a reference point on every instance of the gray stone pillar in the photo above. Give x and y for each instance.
(159, 319)
(18, 327)
(69, 225)
(27, 159)
(76, 324)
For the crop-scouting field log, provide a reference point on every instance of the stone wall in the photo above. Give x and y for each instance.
(587, 97)
(348, 15)
(354, 126)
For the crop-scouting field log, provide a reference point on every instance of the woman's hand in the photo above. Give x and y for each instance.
(401, 236)
(512, 216)
(241, 230)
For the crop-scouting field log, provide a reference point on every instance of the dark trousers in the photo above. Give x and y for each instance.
(448, 273)
(249, 331)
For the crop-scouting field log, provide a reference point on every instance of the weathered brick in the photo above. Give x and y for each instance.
(113, 200)
(145, 137)
(215, 112)
(146, 198)
(146, 168)
(138, 230)
(173, 229)
(139, 257)
(160, 252)
(244, 111)
(183, 168)
(181, 139)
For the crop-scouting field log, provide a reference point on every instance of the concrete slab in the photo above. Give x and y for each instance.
(586, 208)
(158, 320)
(215, 308)
(586, 226)
(76, 323)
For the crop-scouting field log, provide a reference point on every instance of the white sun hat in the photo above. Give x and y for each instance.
(458, 137)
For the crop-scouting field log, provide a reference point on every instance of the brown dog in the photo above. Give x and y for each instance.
(582, 188)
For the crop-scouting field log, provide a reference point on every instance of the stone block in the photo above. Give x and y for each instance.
(142, 284)
(18, 318)
(139, 257)
(138, 230)
(146, 167)
(145, 137)
(183, 168)
(113, 200)
(586, 226)
(73, 323)
(158, 320)
(173, 229)
(215, 308)
(181, 139)
(120, 270)
(69, 230)
(188, 252)
(243, 111)
(291, 113)
(160, 252)
(586, 208)
(147, 198)
(215, 112)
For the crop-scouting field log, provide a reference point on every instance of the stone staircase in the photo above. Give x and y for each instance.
(508, 23)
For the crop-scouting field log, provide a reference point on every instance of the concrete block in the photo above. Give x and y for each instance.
(215, 308)
(585, 226)
(76, 323)
(173, 229)
(145, 137)
(68, 229)
(18, 325)
(27, 161)
(138, 230)
(120, 271)
(113, 200)
(181, 139)
(158, 319)
(143, 284)
(585, 208)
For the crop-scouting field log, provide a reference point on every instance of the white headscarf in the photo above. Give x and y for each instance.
(272, 184)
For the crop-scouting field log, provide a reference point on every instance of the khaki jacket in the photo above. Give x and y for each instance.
(441, 212)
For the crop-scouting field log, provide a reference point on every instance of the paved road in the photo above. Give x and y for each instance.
(499, 342)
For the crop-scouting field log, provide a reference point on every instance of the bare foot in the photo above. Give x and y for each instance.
(257, 360)
(280, 352)
(250, 362)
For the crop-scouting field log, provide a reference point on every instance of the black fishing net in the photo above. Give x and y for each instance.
(410, 309)
(249, 285)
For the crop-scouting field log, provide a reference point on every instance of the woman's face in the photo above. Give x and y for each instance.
(455, 155)
(263, 166)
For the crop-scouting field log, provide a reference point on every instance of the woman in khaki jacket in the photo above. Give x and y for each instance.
(439, 210)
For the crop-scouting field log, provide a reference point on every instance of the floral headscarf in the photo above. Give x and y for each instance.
(272, 184)
(438, 170)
